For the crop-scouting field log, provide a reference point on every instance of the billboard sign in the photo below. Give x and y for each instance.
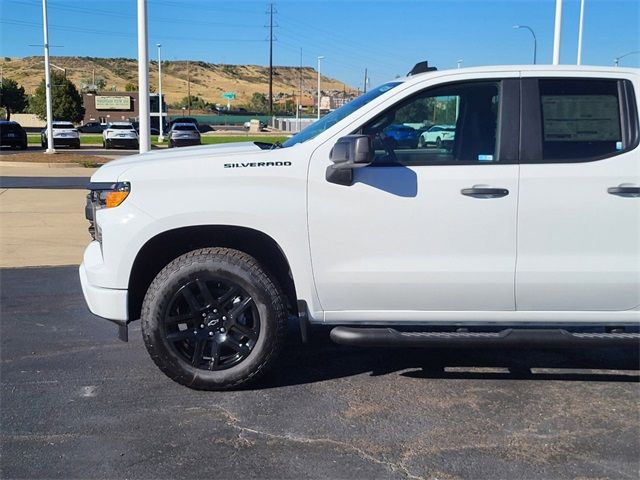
(104, 102)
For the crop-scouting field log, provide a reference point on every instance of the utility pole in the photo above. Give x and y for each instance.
(271, 12)
(47, 75)
(189, 86)
(319, 58)
(143, 78)
(557, 32)
(365, 80)
(299, 96)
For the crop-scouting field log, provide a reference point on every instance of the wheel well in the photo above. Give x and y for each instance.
(167, 246)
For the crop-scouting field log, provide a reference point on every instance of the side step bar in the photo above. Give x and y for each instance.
(511, 337)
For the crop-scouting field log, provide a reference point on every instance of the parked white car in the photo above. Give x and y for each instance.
(525, 233)
(438, 135)
(120, 134)
(64, 134)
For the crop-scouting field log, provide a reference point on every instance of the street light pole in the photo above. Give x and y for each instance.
(319, 58)
(535, 40)
(160, 137)
(579, 60)
(616, 61)
(143, 78)
(47, 79)
(557, 32)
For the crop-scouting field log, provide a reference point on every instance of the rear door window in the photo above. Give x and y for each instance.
(581, 119)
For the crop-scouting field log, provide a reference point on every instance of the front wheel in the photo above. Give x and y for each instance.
(213, 319)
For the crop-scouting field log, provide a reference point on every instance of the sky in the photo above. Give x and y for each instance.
(386, 37)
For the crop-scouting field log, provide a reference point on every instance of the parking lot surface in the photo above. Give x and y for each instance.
(78, 403)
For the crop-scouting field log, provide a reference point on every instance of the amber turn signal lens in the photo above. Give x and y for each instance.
(115, 198)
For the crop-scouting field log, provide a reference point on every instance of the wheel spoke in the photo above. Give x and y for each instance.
(180, 335)
(215, 355)
(191, 299)
(242, 349)
(206, 293)
(240, 307)
(227, 296)
(178, 318)
(198, 352)
(244, 331)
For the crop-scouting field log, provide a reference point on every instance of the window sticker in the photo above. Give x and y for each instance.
(580, 118)
(618, 146)
(485, 158)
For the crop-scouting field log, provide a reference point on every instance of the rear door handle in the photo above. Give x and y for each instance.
(484, 192)
(629, 192)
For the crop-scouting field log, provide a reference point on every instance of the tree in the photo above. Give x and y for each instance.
(66, 100)
(130, 87)
(12, 97)
(196, 103)
(259, 102)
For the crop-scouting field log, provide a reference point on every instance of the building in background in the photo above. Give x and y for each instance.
(108, 107)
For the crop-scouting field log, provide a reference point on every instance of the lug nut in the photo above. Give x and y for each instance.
(201, 325)
(211, 334)
(224, 318)
(204, 314)
(215, 311)
(222, 330)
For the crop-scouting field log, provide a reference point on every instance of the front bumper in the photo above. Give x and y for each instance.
(109, 303)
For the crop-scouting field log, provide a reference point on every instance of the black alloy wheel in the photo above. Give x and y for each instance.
(212, 323)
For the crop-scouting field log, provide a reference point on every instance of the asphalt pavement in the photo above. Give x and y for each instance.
(45, 183)
(78, 403)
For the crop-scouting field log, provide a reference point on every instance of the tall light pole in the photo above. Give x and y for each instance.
(579, 60)
(143, 78)
(616, 61)
(319, 58)
(535, 40)
(557, 33)
(160, 137)
(47, 79)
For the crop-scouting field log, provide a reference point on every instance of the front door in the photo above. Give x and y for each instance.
(429, 226)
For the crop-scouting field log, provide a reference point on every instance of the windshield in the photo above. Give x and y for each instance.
(316, 128)
(190, 127)
(63, 125)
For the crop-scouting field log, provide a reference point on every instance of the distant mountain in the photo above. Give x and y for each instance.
(208, 80)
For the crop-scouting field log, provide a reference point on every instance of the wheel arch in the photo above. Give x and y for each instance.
(158, 251)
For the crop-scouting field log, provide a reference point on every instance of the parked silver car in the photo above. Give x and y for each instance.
(183, 134)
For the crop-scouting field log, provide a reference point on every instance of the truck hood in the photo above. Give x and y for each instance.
(112, 171)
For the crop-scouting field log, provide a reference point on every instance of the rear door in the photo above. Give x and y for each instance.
(579, 207)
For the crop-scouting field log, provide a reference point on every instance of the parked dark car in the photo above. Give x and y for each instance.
(12, 135)
(92, 127)
(184, 120)
(153, 131)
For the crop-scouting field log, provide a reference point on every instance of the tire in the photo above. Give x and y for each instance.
(438, 142)
(213, 300)
(107, 145)
(77, 145)
(421, 142)
(170, 144)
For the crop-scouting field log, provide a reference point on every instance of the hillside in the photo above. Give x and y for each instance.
(208, 80)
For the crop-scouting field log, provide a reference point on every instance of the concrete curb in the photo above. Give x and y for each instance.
(49, 165)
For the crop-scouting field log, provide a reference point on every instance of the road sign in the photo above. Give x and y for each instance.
(229, 95)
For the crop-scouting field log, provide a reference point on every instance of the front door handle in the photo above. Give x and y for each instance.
(484, 192)
(629, 192)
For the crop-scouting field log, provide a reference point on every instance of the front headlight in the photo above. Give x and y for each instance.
(103, 195)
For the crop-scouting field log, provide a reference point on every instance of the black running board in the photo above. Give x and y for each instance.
(511, 337)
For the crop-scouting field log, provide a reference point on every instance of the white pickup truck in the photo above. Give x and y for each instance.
(524, 232)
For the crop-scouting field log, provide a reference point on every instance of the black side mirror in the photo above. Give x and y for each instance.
(349, 152)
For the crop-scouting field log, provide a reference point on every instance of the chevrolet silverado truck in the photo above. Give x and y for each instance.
(524, 232)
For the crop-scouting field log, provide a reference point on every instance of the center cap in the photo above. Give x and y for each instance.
(212, 320)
